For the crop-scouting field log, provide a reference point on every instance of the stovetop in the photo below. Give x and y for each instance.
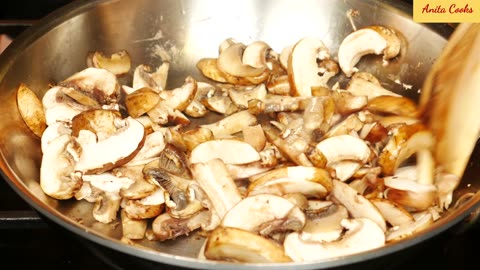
(27, 241)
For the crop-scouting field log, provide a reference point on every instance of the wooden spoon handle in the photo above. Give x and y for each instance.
(450, 99)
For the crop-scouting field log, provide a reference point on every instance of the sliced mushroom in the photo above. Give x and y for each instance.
(392, 120)
(244, 171)
(141, 101)
(141, 188)
(31, 110)
(273, 104)
(303, 70)
(118, 63)
(231, 124)
(143, 76)
(410, 193)
(344, 147)
(101, 122)
(209, 68)
(422, 220)
(133, 228)
(254, 136)
(241, 96)
(179, 98)
(370, 40)
(136, 209)
(114, 151)
(446, 184)
(357, 205)
(58, 108)
(213, 178)
(311, 188)
(54, 131)
(405, 141)
(232, 244)
(268, 214)
(108, 182)
(222, 104)
(359, 86)
(196, 108)
(106, 208)
(255, 54)
(230, 62)
(165, 227)
(196, 136)
(347, 103)
(60, 182)
(100, 84)
(393, 105)
(230, 151)
(325, 226)
(151, 149)
(362, 235)
(393, 213)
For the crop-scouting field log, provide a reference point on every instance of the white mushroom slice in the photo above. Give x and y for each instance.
(179, 98)
(344, 147)
(210, 69)
(393, 213)
(345, 169)
(315, 207)
(362, 235)
(303, 70)
(118, 63)
(144, 77)
(213, 178)
(347, 103)
(52, 132)
(137, 210)
(371, 40)
(225, 44)
(405, 141)
(285, 55)
(133, 228)
(357, 205)
(232, 244)
(422, 220)
(97, 82)
(266, 213)
(115, 151)
(108, 182)
(222, 104)
(230, 62)
(58, 178)
(56, 108)
(244, 171)
(141, 188)
(230, 151)
(241, 97)
(325, 226)
(163, 114)
(410, 193)
(349, 124)
(231, 124)
(284, 185)
(254, 136)
(359, 86)
(151, 149)
(302, 173)
(255, 54)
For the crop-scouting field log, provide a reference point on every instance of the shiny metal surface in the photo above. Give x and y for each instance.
(189, 30)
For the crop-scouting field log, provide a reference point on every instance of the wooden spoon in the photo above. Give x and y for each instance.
(450, 99)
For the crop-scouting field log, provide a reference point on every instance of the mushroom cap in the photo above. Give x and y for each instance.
(230, 151)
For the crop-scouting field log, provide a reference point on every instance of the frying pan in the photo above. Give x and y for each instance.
(56, 47)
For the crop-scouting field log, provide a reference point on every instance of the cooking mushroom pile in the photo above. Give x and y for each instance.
(262, 154)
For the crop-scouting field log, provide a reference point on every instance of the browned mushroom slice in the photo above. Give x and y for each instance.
(212, 176)
(222, 104)
(145, 208)
(362, 235)
(114, 151)
(133, 228)
(347, 125)
(99, 121)
(421, 221)
(60, 182)
(360, 86)
(357, 205)
(272, 104)
(347, 103)
(230, 151)
(370, 40)
(240, 97)
(196, 108)
(141, 101)
(254, 136)
(162, 114)
(326, 225)
(209, 68)
(311, 181)
(165, 227)
(232, 244)
(410, 193)
(405, 141)
(180, 97)
(141, 188)
(99, 83)
(393, 105)
(267, 213)
(279, 85)
(106, 208)
(392, 120)
(303, 70)
(31, 110)
(196, 136)
(118, 63)
(231, 124)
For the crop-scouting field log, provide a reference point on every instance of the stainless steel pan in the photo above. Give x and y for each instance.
(56, 47)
